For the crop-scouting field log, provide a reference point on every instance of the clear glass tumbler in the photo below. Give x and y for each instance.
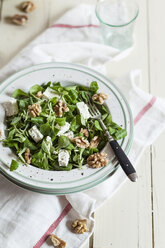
(117, 18)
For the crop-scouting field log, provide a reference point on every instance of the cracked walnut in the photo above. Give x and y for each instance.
(97, 160)
(80, 226)
(34, 109)
(57, 242)
(81, 142)
(99, 98)
(60, 107)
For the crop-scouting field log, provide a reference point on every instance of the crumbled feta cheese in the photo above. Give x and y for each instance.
(49, 93)
(63, 129)
(63, 157)
(83, 109)
(49, 142)
(11, 107)
(35, 134)
(69, 134)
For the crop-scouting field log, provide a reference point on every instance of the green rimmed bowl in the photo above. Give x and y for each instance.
(64, 182)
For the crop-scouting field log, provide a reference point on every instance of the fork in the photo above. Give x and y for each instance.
(120, 155)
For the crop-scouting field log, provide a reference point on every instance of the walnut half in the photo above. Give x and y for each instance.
(28, 6)
(80, 226)
(34, 109)
(94, 142)
(39, 94)
(97, 160)
(20, 19)
(85, 132)
(60, 107)
(99, 98)
(28, 156)
(81, 142)
(57, 242)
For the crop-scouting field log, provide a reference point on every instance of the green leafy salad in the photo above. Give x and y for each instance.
(50, 126)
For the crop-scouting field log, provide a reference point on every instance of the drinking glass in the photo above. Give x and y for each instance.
(117, 19)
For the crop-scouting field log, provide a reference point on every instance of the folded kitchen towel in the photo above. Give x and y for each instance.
(27, 218)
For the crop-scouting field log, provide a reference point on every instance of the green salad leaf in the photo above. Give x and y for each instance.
(14, 165)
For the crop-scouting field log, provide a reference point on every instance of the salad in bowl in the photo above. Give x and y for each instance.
(50, 127)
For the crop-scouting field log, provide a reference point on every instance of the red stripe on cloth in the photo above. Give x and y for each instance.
(73, 26)
(144, 110)
(53, 226)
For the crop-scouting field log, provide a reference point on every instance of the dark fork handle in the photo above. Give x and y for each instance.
(124, 161)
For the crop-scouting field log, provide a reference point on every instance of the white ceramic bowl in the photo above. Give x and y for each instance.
(64, 182)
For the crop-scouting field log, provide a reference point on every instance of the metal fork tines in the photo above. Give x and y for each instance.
(93, 110)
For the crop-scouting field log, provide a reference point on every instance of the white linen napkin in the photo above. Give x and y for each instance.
(27, 218)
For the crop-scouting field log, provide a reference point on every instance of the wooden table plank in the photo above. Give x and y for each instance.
(157, 79)
(126, 219)
(12, 37)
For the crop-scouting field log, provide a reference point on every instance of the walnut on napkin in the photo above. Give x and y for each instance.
(80, 226)
(57, 242)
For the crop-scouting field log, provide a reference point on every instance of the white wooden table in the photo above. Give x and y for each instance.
(135, 216)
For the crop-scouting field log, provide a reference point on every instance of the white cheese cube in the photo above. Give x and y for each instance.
(49, 93)
(11, 107)
(83, 109)
(63, 158)
(35, 134)
(69, 134)
(63, 129)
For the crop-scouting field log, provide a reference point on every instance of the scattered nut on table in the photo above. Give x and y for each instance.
(80, 226)
(95, 142)
(28, 6)
(97, 160)
(99, 98)
(60, 107)
(81, 142)
(57, 242)
(20, 19)
(27, 156)
(34, 109)
(85, 132)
